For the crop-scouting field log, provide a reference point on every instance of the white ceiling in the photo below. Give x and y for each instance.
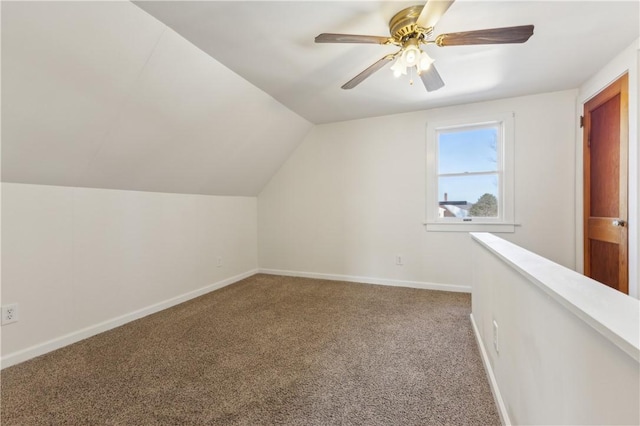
(212, 97)
(103, 95)
(271, 45)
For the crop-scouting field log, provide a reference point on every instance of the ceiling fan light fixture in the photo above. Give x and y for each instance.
(425, 62)
(411, 55)
(399, 68)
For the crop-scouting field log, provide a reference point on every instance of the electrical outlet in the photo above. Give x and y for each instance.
(399, 260)
(9, 313)
(495, 336)
(219, 261)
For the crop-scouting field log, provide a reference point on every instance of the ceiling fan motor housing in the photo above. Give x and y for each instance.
(403, 24)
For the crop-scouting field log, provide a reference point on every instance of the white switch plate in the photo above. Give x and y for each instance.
(495, 336)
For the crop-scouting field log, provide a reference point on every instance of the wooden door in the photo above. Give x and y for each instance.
(605, 186)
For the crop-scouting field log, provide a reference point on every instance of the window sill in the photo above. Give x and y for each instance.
(470, 227)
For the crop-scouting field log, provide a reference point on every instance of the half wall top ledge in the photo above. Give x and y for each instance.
(614, 315)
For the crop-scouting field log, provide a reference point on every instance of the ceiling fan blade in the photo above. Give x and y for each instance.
(431, 79)
(351, 38)
(367, 72)
(432, 12)
(491, 36)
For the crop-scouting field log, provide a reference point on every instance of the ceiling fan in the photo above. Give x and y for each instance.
(412, 27)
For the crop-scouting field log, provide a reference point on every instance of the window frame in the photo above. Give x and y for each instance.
(505, 171)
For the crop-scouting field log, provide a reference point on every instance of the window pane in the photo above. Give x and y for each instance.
(468, 150)
(468, 196)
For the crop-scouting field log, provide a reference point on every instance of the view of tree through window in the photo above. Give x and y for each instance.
(486, 206)
(468, 171)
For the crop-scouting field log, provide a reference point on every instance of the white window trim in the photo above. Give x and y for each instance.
(505, 223)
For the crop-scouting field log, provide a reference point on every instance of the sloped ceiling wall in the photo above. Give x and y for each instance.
(101, 94)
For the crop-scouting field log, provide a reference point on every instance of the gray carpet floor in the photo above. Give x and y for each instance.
(268, 350)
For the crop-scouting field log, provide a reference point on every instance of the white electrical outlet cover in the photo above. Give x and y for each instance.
(9, 314)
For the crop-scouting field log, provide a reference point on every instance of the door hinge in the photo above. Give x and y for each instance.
(581, 121)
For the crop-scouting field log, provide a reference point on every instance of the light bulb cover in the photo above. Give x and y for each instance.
(411, 55)
(399, 68)
(425, 62)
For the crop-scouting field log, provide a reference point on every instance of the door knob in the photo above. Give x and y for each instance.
(618, 222)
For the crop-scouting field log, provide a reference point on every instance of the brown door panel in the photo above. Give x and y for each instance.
(605, 186)
(603, 229)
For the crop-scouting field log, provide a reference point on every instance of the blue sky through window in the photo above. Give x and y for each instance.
(468, 151)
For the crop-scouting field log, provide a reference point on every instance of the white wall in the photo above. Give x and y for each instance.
(352, 196)
(79, 261)
(627, 61)
(568, 347)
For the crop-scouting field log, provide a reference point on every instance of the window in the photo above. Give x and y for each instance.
(470, 175)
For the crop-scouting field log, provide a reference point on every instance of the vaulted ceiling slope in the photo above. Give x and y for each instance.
(102, 94)
(271, 44)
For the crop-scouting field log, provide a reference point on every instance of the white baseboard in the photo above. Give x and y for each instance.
(59, 342)
(62, 341)
(370, 280)
(497, 396)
